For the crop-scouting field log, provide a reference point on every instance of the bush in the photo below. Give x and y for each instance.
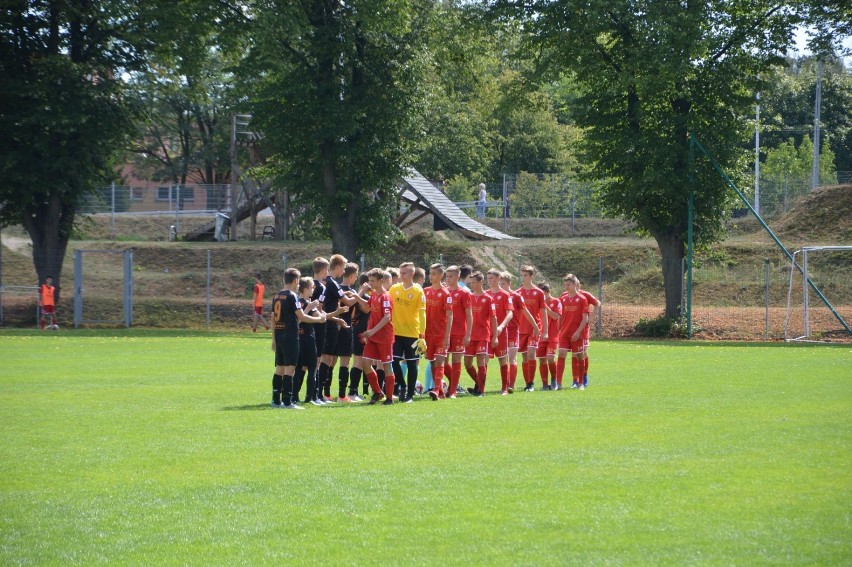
(658, 327)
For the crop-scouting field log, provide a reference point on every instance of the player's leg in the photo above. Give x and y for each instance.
(389, 378)
(411, 361)
(469, 357)
(544, 370)
(371, 376)
(396, 365)
(562, 353)
(481, 371)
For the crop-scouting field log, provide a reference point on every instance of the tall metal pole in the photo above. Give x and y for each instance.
(817, 102)
(177, 209)
(208, 290)
(691, 206)
(766, 293)
(112, 211)
(757, 158)
(232, 233)
(600, 296)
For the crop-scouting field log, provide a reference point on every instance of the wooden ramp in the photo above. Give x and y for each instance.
(421, 194)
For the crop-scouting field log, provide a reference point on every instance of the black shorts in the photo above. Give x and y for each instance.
(404, 348)
(307, 351)
(319, 334)
(331, 334)
(286, 351)
(344, 343)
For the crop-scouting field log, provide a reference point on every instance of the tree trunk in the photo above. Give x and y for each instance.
(343, 238)
(672, 248)
(49, 226)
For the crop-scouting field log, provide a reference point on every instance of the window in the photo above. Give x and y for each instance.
(164, 193)
(137, 194)
(187, 194)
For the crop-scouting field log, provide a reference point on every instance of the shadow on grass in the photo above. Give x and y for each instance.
(249, 407)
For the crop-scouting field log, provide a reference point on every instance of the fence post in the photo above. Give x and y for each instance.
(286, 259)
(573, 219)
(128, 288)
(682, 290)
(600, 296)
(505, 205)
(112, 211)
(766, 280)
(78, 288)
(177, 210)
(208, 288)
(363, 262)
(520, 265)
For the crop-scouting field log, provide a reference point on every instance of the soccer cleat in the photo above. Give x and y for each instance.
(473, 391)
(408, 401)
(344, 400)
(546, 387)
(529, 388)
(581, 387)
(452, 396)
(574, 386)
(376, 398)
(316, 403)
(355, 398)
(510, 389)
(321, 402)
(328, 399)
(557, 387)
(504, 393)
(434, 395)
(387, 402)
(273, 404)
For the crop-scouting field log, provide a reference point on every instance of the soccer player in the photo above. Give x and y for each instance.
(465, 270)
(320, 269)
(307, 348)
(344, 336)
(546, 352)
(439, 323)
(461, 329)
(47, 303)
(530, 333)
(360, 319)
(287, 314)
(594, 304)
(335, 302)
(409, 325)
(483, 335)
(257, 316)
(513, 340)
(378, 338)
(504, 313)
(575, 317)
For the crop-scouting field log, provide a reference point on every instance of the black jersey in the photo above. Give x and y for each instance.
(359, 318)
(348, 315)
(333, 293)
(284, 321)
(306, 330)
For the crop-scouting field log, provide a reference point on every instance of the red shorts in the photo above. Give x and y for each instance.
(546, 349)
(502, 347)
(434, 347)
(380, 352)
(527, 342)
(580, 345)
(476, 347)
(258, 309)
(48, 309)
(457, 344)
(512, 337)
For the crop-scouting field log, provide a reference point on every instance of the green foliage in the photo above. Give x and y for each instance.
(185, 462)
(789, 162)
(658, 327)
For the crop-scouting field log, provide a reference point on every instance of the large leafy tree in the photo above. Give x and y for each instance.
(649, 74)
(335, 89)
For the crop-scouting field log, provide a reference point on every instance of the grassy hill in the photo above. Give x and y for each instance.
(170, 278)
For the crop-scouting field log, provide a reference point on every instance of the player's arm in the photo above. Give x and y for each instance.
(384, 321)
(340, 310)
(304, 318)
(468, 315)
(421, 316)
(494, 333)
(583, 324)
(545, 317)
(510, 314)
(349, 298)
(340, 322)
(363, 304)
(449, 326)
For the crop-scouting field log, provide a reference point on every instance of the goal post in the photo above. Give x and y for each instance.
(807, 270)
(110, 281)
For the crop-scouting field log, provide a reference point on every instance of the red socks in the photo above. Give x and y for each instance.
(560, 370)
(438, 378)
(482, 372)
(373, 379)
(389, 383)
(455, 376)
(544, 370)
(504, 377)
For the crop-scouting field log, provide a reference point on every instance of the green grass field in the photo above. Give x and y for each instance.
(160, 447)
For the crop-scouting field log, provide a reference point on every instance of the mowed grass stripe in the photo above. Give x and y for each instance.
(158, 447)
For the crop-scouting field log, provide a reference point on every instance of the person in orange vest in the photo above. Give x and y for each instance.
(257, 316)
(47, 304)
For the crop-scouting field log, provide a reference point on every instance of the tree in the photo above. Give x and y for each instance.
(650, 74)
(63, 113)
(335, 92)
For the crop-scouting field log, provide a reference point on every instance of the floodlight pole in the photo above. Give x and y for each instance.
(757, 158)
(817, 102)
(690, 213)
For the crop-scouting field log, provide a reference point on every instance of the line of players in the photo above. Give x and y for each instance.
(378, 325)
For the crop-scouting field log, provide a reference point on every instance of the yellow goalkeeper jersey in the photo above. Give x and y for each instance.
(409, 310)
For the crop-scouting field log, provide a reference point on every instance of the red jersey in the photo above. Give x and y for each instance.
(47, 292)
(555, 305)
(380, 305)
(516, 302)
(439, 302)
(534, 300)
(592, 301)
(482, 307)
(502, 305)
(573, 308)
(461, 301)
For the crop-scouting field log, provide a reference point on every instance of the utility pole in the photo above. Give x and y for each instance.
(757, 158)
(815, 174)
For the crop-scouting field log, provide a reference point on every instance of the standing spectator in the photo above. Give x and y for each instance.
(47, 304)
(257, 316)
(480, 201)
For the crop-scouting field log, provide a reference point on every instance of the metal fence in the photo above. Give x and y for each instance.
(201, 288)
